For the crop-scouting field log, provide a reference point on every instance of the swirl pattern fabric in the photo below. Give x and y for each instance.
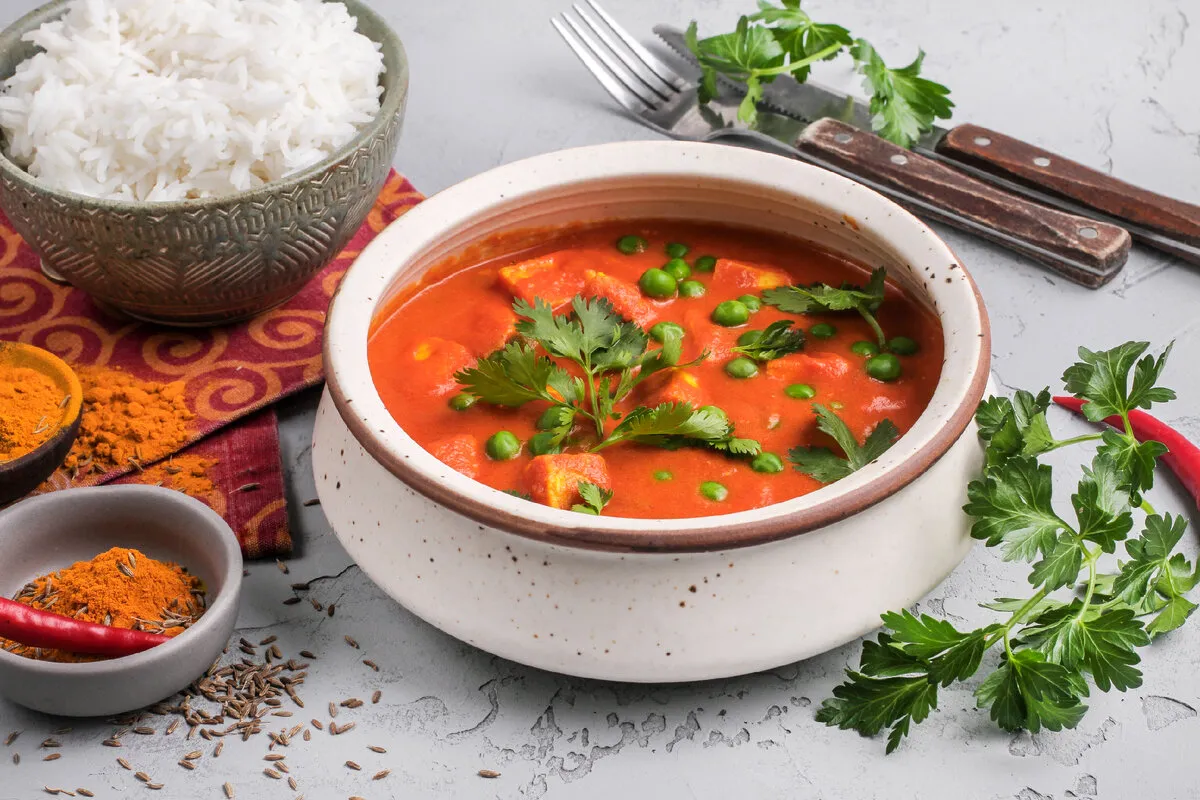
(229, 373)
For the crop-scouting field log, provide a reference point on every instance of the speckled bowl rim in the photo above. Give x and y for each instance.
(393, 57)
(368, 282)
(217, 608)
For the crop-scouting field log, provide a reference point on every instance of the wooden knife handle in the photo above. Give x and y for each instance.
(1054, 174)
(1083, 250)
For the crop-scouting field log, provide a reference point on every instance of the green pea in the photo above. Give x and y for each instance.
(678, 269)
(749, 337)
(751, 302)
(691, 289)
(503, 445)
(822, 330)
(767, 462)
(720, 412)
(704, 263)
(714, 491)
(629, 245)
(741, 367)
(731, 313)
(800, 391)
(541, 444)
(662, 330)
(663, 475)
(657, 283)
(677, 250)
(864, 348)
(883, 367)
(903, 346)
(461, 402)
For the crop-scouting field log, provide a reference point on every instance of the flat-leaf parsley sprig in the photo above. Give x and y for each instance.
(784, 40)
(1080, 626)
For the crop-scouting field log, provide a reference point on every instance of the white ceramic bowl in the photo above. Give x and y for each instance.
(639, 599)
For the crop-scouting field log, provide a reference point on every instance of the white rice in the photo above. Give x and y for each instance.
(175, 99)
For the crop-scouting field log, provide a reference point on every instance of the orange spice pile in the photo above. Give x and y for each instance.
(127, 421)
(187, 474)
(121, 587)
(30, 409)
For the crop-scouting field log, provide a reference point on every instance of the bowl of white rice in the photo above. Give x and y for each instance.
(196, 162)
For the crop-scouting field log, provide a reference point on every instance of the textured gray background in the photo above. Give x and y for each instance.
(1094, 79)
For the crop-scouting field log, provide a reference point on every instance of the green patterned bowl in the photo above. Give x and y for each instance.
(216, 260)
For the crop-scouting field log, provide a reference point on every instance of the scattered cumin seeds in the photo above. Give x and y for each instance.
(374, 748)
(249, 487)
(270, 773)
(187, 765)
(292, 783)
(174, 726)
(383, 773)
(332, 709)
(488, 773)
(50, 743)
(271, 639)
(376, 695)
(350, 640)
(144, 731)
(141, 776)
(291, 601)
(217, 750)
(353, 765)
(316, 723)
(228, 787)
(124, 763)
(329, 610)
(12, 737)
(111, 742)
(315, 501)
(337, 730)
(154, 785)
(307, 735)
(371, 664)
(84, 793)
(16, 759)
(282, 566)
(308, 655)
(274, 757)
(53, 757)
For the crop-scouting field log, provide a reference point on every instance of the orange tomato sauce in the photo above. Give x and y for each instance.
(462, 310)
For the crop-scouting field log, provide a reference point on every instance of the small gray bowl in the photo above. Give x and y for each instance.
(52, 531)
(215, 260)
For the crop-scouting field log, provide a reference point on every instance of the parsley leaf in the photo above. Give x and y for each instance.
(1027, 691)
(1015, 426)
(798, 35)
(822, 297)
(594, 498)
(1011, 507)
(1102, 505)
(951, 655)
(1134, 460)
(869, 704)
(825, 465)
(1102, 378)
(903, 104)
(777, 340)
(1100, 643)
(1154, 580)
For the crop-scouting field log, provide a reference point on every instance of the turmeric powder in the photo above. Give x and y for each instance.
(31, 407)
(187, 474)
(121, 587)
(127, 421)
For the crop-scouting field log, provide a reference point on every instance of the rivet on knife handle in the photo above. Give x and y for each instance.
(1083, 250)
(1050, 172)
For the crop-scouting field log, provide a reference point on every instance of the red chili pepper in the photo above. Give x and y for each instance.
(36, 628)
(1182, 458)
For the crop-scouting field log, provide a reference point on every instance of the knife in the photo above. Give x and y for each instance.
(1155, 220)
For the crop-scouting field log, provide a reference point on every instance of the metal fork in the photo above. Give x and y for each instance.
(662, 98)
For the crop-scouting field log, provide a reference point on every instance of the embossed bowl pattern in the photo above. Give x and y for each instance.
(215, 260)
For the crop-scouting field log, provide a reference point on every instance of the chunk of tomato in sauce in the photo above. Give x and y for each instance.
(626, 298)
(745, 275)
(542, 278)
(554, 479)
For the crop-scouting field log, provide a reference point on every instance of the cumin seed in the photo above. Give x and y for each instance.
(291, 601)
(12, 737)
(353, 765)
(292, 783)
(329, 610)
(16, 759)
(53, 757)
(282, 566)
(315, 501)
(50, 743)
(84, 793)
(270, 639)
(332, 709)
(371, 664)
(374, 748)
(217, 750)
(308, 655)
(274, 757)
(228, 787)
(383, 773)
(488, 773)
(272, 774)
(144, 731)
(187, 765)
(307, 735)
(124, 763)
(375, 696)
(351, 641)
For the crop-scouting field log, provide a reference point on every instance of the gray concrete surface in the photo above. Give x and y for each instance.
(1109, 83)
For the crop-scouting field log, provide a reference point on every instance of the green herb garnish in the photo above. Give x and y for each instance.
(594, 499)
(784, 40)
(1080, 625)
(827, 466)
(822, 297)
(777, 340)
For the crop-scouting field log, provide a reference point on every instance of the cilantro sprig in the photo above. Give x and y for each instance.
(1086, 617)
(784, 40)
(594, 498)
(826, 465)
(776, 341)
(612, 355)
(821, 297)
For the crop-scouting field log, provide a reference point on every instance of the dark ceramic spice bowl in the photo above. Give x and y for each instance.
(50, 532)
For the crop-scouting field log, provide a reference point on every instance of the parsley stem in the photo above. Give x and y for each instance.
(1017, 617)
(789, 68)
(1091, 557)
(1146, 507)
(1087, 437)
(874, 323)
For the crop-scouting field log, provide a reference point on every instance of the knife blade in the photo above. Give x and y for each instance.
(1163, 223)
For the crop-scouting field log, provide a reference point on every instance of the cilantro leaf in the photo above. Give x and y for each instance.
(824, 465)
(1011, 507)
(515, 375)
(682, 420)
(823, 297)
(736, 446)
(594, 498)
(1027, 691)
(903, 104)
(777, 340)
(1102, 378)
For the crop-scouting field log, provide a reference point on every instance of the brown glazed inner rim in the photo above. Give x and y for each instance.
(659, 535)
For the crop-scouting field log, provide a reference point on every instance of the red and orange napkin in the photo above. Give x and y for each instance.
(232, 375)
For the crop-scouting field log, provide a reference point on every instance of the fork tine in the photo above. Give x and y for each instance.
(611, 84)
(661, 68)
(615, 67)
(646, 75)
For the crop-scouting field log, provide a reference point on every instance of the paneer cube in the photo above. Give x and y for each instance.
(625, 297)
(432, 364)
(745, 275)
(554, 479)
(806, 368)
(542, 277)
(461, 452)
(493, 326)
(674, 386)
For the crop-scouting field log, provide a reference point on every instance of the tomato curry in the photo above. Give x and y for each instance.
(717, 421)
